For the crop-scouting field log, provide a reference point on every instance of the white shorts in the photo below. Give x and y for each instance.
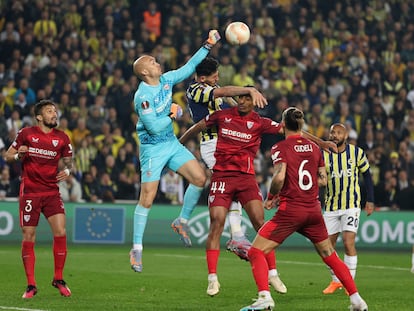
(342, 220)
(207, 149)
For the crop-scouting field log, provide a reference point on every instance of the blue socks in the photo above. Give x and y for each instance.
(191, 197)
(140, 221)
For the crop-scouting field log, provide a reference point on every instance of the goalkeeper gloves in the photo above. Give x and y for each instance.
(176, 111)
(213, 38)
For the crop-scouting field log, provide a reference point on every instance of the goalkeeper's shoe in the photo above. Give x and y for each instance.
(277, 284)
(213, 288)
(182, 230)
(239, 246)
(31, 290)
(361, 306)
(332, 287)
(62, 287)
(135, 258)
(261, 303)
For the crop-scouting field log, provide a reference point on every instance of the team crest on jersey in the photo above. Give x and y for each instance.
(211, 198)
(250, 124)
(145, 105)
(149, 173)
(166, 87)
(26, 218)
(55, 142)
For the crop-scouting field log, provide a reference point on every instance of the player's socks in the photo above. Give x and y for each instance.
(29, 259)
(191, 196)
(341, 271)
(140, 221)
(351, 262)
(212, 256)
(235, 218)
(259, 268)
(59, 254)
(271, 260)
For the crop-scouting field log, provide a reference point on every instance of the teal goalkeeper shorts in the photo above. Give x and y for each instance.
(154, 158)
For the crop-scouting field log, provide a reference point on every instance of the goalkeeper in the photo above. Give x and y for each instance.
(159, 146)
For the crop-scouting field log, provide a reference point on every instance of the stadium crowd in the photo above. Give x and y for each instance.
(348, 61)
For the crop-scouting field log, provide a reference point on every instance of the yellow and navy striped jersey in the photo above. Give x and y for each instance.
(201, 102)
(343, 190)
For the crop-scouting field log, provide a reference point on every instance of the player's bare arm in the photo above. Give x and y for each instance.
(193, 131)
(68, 164)
(326, 145)
(12, 154)
(229, 91)
(277, 183)
(278, 178)
(322, 177)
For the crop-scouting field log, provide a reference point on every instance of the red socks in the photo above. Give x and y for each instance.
(212, 256)
(271, 260)
(342, 272)
(59, 253)
(260, 269)
(29, 259)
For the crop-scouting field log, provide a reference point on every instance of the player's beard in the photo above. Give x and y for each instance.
(50, 124)
(340, 143)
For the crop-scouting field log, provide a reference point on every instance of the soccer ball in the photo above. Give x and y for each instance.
(237, 33)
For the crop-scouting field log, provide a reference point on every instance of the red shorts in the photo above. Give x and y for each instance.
(30, 208)
(286, 222)
(228, 187)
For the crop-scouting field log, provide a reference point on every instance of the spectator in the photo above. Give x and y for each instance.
(91, 191)
(45, 28)
(172, 186)
(70, 190)
(108, 188)
(24, 88)
(152, 19)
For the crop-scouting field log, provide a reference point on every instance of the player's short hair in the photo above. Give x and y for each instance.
(39, 106)
(293, 119)
(208, 66)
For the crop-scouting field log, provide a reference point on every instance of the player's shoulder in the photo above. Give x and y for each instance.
(61, 134)
(263, 120)
(28, 130)
(354, 150)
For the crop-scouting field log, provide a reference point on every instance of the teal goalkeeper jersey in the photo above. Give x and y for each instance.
(153, 103)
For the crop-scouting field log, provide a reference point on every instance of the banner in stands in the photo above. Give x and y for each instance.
(112, 223)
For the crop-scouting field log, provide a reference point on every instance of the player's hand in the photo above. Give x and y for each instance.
(62, 175)
(369, 208)
(22, 151)
(258, 99)
(274, 202)
(213, 37)
(329, 146)
(176, 111)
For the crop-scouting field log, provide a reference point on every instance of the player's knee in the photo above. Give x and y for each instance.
(200, 180)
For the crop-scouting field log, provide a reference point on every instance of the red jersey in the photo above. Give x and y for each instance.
(239, 138)
(40, 164)
(303, 159)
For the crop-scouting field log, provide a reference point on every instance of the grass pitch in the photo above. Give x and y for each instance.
(176, 279)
